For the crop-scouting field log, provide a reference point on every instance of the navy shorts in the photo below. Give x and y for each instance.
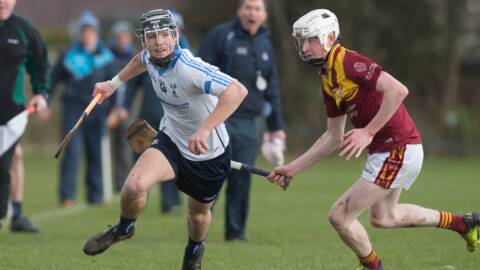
(201, 180)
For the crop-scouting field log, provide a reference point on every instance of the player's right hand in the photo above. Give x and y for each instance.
(38, 102)
(104, 88)
(197, 143)
(277, 176)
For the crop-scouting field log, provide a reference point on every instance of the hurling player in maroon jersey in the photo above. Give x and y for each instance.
(356, 88)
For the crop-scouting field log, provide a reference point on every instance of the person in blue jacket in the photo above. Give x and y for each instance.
(242, 48)
(87, 61)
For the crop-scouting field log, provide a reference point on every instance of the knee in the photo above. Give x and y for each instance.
(196, 218)
(134, 186)
(382, 220)
(18, 153)
(338, 218)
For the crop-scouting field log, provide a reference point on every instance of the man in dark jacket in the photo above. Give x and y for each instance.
(85, 62)
(21, 48)
(242, 49)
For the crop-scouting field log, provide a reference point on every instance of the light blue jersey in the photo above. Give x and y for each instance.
(188, 90)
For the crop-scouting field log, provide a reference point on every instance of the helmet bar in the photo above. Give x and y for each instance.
(154, 22)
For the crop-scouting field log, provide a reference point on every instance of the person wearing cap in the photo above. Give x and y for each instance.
(178, 18)
(87, 61)
(121, 35)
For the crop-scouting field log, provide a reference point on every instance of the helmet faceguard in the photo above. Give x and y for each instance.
(313, 26)
(155, 23)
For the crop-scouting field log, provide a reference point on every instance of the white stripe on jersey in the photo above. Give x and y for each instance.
(188, 90)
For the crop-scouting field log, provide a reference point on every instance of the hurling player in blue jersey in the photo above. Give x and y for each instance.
(192, 143)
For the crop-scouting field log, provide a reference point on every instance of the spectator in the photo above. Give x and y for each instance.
(123, 50)
(87, 61)
(22, 48)
(242, 49)
(19, 223)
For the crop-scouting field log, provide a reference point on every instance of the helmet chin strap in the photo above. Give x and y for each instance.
(318, 62)
(163, 61)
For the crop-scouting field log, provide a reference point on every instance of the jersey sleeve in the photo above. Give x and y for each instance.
(204, 76)
(361, 70)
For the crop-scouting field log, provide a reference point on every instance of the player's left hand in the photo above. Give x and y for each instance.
(354, 142)
(38, 102)
(198, 141)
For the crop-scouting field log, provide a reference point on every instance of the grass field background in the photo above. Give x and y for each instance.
(286, 230)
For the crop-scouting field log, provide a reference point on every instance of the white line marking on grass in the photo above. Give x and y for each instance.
(63, 212)
(58, 213)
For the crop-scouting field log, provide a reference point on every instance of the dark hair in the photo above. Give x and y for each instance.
(157, 18)
(241, 2)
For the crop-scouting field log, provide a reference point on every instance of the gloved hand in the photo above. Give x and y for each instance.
(272, 150)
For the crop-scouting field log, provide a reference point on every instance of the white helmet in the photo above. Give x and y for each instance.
(317, 23)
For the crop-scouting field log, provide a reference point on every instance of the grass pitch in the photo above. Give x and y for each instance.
(286, 230)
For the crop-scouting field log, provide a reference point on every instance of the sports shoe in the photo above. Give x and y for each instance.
(472, 220)
(100, 242)
(193, 261)
(68, 203)
(361, 267)
(22, 224)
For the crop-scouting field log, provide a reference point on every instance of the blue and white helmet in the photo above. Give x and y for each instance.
(153, 22)
(317, 23)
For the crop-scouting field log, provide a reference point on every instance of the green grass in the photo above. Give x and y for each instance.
(286, 230)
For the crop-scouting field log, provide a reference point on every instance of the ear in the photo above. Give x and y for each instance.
(331, 38)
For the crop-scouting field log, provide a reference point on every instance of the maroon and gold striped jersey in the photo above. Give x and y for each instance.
(349, 87)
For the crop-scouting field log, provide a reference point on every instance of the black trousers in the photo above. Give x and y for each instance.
(5, 165)
(244, 142)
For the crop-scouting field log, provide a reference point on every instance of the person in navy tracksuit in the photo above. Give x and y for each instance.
(242, 49)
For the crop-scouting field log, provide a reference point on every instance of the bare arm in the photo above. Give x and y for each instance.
(228, 102)
(132, 69)
(394, 92)
(322, 148)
